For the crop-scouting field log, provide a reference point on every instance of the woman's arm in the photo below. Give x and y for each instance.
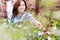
(37, 23)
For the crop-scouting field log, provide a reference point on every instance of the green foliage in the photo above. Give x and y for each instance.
(55, 22)
(28, 32)
(47, 3)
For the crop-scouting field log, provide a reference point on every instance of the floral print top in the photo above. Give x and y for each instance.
(25, 15)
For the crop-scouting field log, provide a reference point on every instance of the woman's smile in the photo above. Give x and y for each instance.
(21, 8)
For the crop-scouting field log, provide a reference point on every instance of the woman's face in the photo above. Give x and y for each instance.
(22, 7)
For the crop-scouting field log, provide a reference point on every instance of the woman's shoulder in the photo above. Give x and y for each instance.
(27, 14)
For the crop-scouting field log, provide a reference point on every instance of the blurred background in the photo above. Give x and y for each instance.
(45, 11)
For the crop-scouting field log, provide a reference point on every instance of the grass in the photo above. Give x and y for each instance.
(27, 32)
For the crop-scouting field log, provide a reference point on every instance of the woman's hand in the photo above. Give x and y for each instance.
(40, 26)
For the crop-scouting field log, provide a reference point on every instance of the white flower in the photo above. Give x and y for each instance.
(40, 33)
(49, 38)
(20, 26)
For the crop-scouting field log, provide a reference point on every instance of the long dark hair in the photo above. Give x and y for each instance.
(15, 6)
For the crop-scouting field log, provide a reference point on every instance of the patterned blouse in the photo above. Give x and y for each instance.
(25, 15)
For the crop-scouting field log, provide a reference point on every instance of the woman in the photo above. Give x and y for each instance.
(19, 13)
